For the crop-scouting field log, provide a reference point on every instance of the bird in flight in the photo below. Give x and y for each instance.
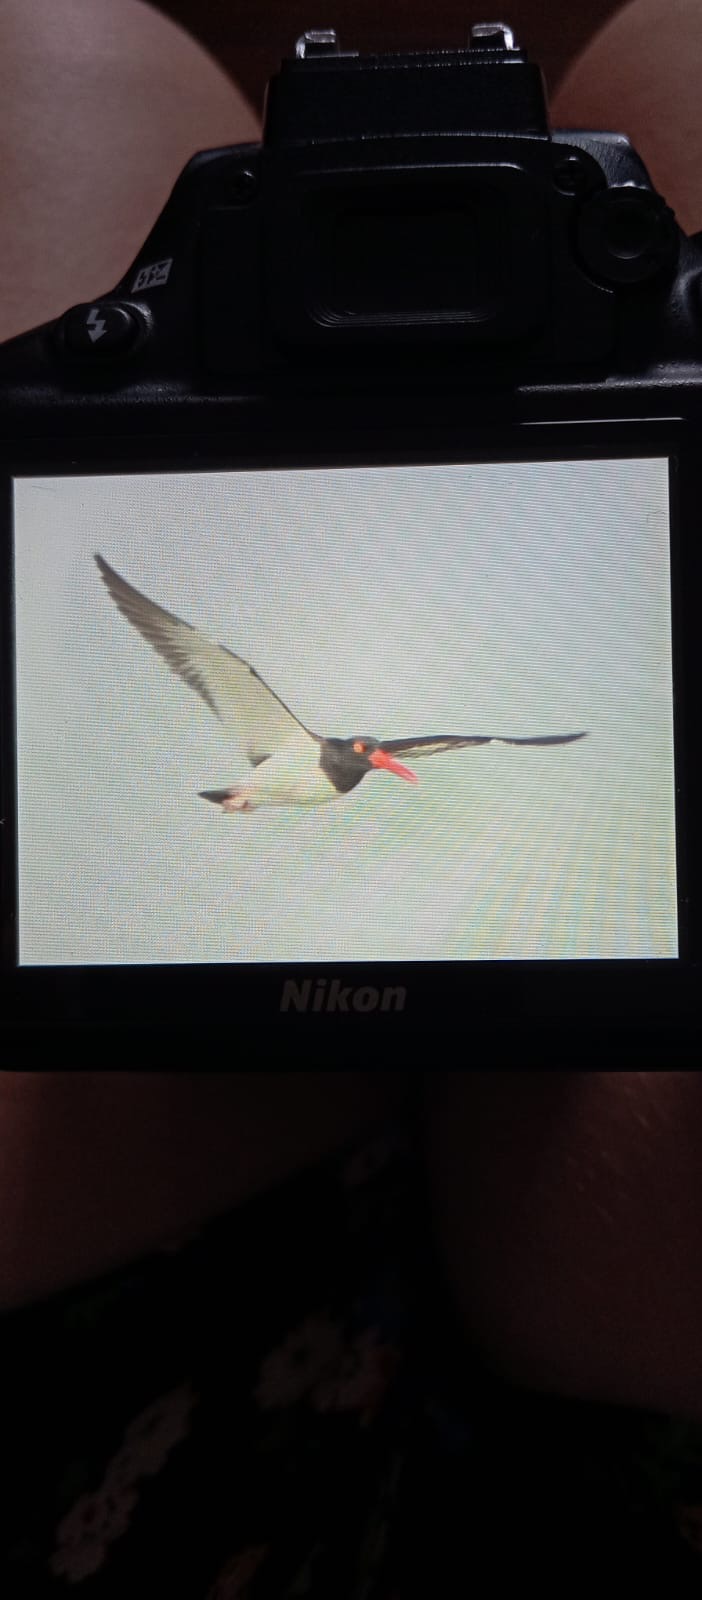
(292, 765)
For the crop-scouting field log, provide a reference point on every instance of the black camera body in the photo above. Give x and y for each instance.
(408, 219)
(412, 273)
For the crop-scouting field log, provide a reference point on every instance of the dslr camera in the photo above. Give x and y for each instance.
(351, 599)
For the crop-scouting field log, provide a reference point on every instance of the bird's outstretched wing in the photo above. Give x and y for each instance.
(428, 746)
(230, 687)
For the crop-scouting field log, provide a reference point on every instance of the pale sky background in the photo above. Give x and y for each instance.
(516, 599)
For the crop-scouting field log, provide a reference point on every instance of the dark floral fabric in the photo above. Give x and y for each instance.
(280, 1405)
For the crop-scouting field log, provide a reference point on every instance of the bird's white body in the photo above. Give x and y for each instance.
(286, 778)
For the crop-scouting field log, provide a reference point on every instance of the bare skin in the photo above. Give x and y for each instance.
(568, 1210)
(103, 102)
(641, 76)
(98, 1167)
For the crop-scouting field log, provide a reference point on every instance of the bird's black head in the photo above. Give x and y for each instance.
(346, 761)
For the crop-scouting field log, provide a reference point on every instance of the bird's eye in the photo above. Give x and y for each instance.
(359, 747)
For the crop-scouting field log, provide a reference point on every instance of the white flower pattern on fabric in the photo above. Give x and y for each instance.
(372, 1158)
(233, 1580)
(94, 1522)
(98, 1518)
(333, 1373)
(152, 1435)
(361, 1381)
(289, 1372)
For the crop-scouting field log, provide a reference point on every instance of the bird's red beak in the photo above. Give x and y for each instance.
(380, 758)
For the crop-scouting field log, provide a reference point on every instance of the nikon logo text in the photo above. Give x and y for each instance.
(335, 996)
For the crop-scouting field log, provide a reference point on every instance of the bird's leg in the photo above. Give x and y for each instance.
(237, 800)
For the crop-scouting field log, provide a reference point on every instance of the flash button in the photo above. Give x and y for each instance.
(100, 329)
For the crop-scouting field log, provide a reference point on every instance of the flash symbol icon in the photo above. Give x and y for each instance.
(96, 324)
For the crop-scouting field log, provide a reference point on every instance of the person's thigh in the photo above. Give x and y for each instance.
(568, 1209)
(641, 75)
(102, 102)
(98, 1167)
(568, 1214)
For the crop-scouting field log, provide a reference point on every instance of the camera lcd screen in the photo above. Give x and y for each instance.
(312, 791)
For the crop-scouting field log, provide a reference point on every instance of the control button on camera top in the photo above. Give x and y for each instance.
(627, 235)
(100, 328)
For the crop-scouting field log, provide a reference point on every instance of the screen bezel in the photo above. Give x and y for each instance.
(525, 1004)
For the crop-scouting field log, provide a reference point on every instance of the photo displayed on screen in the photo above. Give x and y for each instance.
(391, 713)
